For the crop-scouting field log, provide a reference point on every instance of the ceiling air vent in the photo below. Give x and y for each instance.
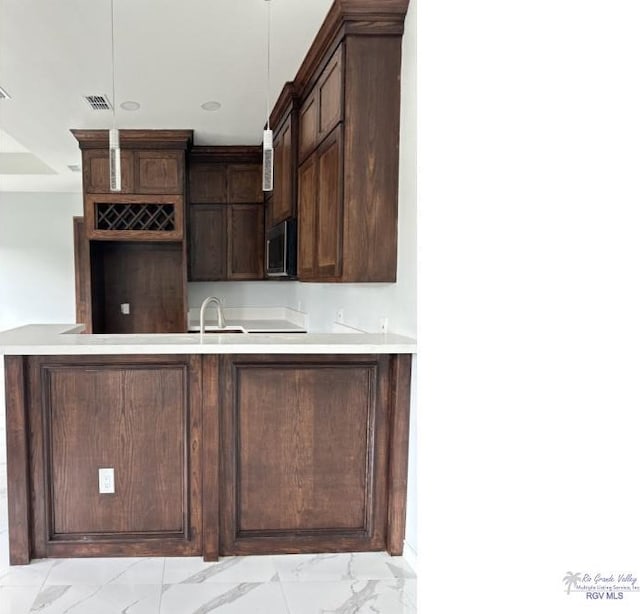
(98, 102)
(4, 95)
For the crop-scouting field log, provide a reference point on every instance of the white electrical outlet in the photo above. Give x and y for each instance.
(384, 325)
(125, 309)
(300, 306)
(106, 481)
(340, 316)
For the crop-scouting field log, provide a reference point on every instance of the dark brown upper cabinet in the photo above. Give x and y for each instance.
(320, 203)
(95, 171)
(322, 108)
(159, 172)
(130, 256)
(152, 161)
(244, 183)
(226, 214)
(348, 144)
(150, 204)
(284, 117)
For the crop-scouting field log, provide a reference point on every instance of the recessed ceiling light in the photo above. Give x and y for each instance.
(211, 105)
(74, 168)
(130, 105)
(3, 94)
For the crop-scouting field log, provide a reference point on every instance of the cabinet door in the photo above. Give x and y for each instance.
(307, 218)
(245, 248)
(282, 204)
(159, 172)
(207, 242)
(304, 454)
(95, 171)
(308, 125)
(208, 183)
(329, 205)
(330, 92)
(142, 417)
(244, 183)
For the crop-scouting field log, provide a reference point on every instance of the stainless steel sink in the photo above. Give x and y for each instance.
(214, 330)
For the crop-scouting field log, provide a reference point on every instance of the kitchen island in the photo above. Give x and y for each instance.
(234, 444)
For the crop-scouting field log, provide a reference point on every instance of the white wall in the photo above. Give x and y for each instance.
(36, 257)
(244, 293)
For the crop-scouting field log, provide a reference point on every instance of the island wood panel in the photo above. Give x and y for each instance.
(304, 454)
(139, 415)
(210, 457)
(399, 408)
(18, 477)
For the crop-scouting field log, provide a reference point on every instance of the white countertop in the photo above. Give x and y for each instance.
(65, 339)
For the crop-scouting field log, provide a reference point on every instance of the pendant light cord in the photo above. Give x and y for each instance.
(113, 71)
(268, 56)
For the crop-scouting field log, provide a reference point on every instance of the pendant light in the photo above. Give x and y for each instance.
(115, 171)
(267, 137)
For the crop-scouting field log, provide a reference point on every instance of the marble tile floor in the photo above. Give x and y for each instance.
(361, 583)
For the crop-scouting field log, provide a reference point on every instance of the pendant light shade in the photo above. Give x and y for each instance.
(267, 137)
(115, 171)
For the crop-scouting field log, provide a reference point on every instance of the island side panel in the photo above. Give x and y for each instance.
(17, 461)
(210, 457)
(399, 405)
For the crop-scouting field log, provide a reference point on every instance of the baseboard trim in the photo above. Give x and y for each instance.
(410, 556)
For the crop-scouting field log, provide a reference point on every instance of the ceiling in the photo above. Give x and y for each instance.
(171, 56)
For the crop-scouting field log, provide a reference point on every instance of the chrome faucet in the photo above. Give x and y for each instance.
(218, 303)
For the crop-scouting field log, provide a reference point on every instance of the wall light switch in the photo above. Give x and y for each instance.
(106, 481)
(124, 308)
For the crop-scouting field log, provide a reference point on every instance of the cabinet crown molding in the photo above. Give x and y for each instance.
(136, 139)
(364, 17)
(226, 153)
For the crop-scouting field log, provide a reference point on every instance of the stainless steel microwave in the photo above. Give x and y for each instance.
(282, 247)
